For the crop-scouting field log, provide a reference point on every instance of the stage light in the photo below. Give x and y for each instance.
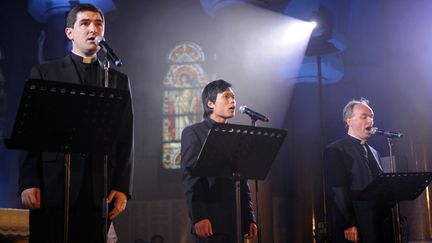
(313, 24)
(297, 31)
(323, 19)
(320, 42)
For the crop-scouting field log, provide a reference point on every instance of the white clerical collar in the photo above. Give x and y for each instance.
(86, 60)
(361, 140)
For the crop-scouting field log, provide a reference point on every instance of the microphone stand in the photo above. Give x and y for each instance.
(253, 123)
(67, 194)
(395, 210)
(237, 178)
(105, 169)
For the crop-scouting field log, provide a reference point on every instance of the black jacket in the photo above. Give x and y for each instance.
(347, 173)
(209, 197)
(46, 170)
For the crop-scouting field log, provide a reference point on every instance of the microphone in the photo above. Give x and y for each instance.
(253, 114)
(100, 41)
(386, 133)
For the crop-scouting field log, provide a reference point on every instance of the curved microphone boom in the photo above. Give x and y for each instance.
(388, 134)
(100, 41)
(253, 114)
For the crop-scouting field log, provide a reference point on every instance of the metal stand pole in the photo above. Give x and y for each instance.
(66, 200)
(105, 199)
(322, 134)
(322, 232)
(253, 123)
(395, 210)
(106, 72)
(105, 183)
(239, 236)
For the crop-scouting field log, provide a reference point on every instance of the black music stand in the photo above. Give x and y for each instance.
(396, 187)
(70, 118)
(239, 152)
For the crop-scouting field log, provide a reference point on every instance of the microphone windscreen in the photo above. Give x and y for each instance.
(98, 39)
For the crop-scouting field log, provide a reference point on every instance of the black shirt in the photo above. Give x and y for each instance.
(366, 153)
(89, 73)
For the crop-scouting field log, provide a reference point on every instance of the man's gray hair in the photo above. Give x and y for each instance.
(349, 107)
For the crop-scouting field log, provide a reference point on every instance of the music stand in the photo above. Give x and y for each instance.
(396, 187)
(238, 152)
(70, 118)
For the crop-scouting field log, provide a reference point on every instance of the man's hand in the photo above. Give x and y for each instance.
(253, 231)
(31, 198)
(120, 203)
(351, 234)
(203, 228)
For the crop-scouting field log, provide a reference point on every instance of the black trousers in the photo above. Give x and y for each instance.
(374, 223)
(85, 219)
(46, 226)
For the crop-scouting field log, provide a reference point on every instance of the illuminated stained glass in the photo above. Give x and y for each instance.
(182, 98)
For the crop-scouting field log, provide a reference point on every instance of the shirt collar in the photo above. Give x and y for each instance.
(80, 59)
(356, 139)
(211, 121)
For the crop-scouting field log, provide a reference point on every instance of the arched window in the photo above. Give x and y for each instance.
(182, 98)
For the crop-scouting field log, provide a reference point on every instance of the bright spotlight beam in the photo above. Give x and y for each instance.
(298, 31)
(313, 24)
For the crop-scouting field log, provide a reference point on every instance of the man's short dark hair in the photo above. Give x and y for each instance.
(72, 15)
(210, 92)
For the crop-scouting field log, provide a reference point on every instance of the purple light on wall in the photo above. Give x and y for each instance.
(41, 10)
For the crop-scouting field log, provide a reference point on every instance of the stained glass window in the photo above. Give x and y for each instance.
(182, 98)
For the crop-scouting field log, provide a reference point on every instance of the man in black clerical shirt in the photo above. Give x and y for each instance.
(211, 201)
(350, 164)
(41, 176)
